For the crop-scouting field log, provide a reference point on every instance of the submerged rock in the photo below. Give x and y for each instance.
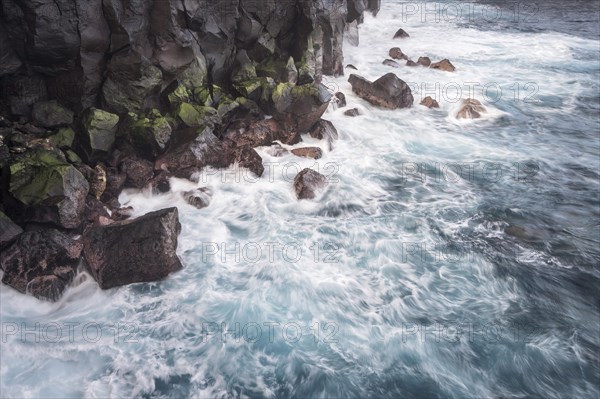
(430, 102)
(397, 54)
(425, 61)
(134, 251)
(41, 263)
(308, 183)
(443, 65)
(388, 91)
(391, 63)
(199, 198)
(401, 34)
(9, 231)
(352, 112)
(471, 109)
(308, 152)
(411, 63)
(340, 99)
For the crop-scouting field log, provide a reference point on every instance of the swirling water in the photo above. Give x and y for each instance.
(445, 259)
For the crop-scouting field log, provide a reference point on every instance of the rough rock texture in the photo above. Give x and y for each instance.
(51, 114)
(308, 183)
(120, 54)
(199, 198)
(388, 91)
(150, 243)
(425, 61)
(470, 109)
(41, 263)
(340, 99)
(430, 102)
(324, 130)
(48, 188)
(99, 133)
(411, 63)
(443, 65)
(397, 54)
(308, 152)
(9, 231)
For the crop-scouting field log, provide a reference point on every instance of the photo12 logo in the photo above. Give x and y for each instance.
(429, 12)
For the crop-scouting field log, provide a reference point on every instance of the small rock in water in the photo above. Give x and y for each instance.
(430, 102)
(341, 99)
(444, 65)
(401, 34)
(397, 54)
(352, 112)
(471, 109)
(324, 130)
(388, 91)
(350, 66)
(199, 198)
(411, 63)
(277, 150)
(391, 63)
(308, 152)
(308, 182)
(425, 61)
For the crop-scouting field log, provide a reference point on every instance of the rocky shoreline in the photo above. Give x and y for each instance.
(108, 95)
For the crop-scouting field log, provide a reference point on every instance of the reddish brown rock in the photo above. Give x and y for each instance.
(471, 109)
(308, 152)
(430, 102)
(308, 183)
(425, 61)
(397, 54)
(443, 65)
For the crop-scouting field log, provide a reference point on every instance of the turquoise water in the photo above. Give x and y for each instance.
(446, 258)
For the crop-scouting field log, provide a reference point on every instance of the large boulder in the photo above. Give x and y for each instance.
(99, 133)
(134, 251)
(308, 183)
(51, 114)
(388, 91)
(300, 107)
(150, 135)
(50, 189)
(324, 130)
(41, 263)
(248, 158)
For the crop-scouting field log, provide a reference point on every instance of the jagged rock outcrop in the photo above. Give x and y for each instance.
(388, 91)
(121, 54)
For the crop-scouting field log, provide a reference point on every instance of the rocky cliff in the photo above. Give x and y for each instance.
(122, 54)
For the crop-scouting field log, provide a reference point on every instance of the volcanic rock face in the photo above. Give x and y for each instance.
(125, 52)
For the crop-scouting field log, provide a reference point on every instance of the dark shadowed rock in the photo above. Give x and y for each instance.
(150, 135)
(324, 130)
(99, 133)
(9, 231)
(247, 157)
(350, 66)
(470, 109)
(300, 107)
(411, 63)
(51, 114)
(397, 54)
(401, 34)
(425, 61)
(388, 91)
(276, 150)
(134, 251)
(259, 133)
(51, 190)
(308, 183)
(41, 263)
(391, 63)
(308, 152)
(352, 112)
(199, 198)
(138, 172)
(430, 102)
(443, 65)
(341, 99)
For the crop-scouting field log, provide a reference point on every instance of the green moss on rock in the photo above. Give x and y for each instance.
(99, 132)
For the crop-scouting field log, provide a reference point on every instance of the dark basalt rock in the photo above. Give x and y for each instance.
(401, 34)
(430, 102)
(308, 183)
(134, 251)
(350, 66)
(397, 54)
(425, 61)
(247, 157)
(324, 130)
(388, 91)
(352, 112)
(341, 99)
(391, 63)
(199, 198)
(9, 231)
(51, 114)
(41, 263)
(99, 133)
(411, 63)
(443, 65)
(138, 172)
